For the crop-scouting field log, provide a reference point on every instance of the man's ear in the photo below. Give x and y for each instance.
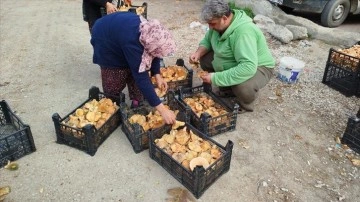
(224, 17)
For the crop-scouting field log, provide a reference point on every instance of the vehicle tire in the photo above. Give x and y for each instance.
(286, 9)
(335, 12)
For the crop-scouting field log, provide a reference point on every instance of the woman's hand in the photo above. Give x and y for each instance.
(161, 83)
(168, 115)
(110, 8)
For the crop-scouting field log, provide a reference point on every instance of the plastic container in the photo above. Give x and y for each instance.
(88, 138)
(131, 9)
(16, 139)
(342, 73)
(290, 69)
(200, 179)
(351, 135)
(135, 133)
(207, 124)
(185, 83)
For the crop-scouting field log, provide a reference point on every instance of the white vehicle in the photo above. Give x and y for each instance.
(333, 12)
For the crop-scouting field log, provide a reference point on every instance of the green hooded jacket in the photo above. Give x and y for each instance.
(238, 51)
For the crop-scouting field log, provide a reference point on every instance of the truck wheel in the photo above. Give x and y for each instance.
(286, 9)
(335, 12)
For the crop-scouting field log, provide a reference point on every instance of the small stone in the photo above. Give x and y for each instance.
(272, 98)
(284, 189)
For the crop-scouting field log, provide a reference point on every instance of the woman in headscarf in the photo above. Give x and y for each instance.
(127, 46)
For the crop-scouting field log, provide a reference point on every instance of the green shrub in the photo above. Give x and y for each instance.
(247, 10)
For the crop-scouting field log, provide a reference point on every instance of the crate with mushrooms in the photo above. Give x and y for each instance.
(127, 6)
(190, 156)
(209, 113)
(177, 76)
(342, 71)
(138, 122)
(88, 126)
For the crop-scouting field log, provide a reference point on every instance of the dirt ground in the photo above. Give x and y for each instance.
(283, 151)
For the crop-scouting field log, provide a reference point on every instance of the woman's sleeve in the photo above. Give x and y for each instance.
(155, 66)
(133, 56)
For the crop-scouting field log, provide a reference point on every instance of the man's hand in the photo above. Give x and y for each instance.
(168, 115)
(206, 77)
(110, 8)
(194, 58)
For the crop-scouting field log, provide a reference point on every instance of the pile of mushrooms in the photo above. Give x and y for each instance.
(353, 51)
(93, 112)
(188, 149)
(172, 73)
(201, 103)
(351, 63)
(150, 121)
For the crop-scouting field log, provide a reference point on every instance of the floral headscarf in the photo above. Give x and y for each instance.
(157, 42)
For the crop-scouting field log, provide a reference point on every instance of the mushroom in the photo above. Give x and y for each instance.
(206, 156)
(73, 120)
(79, 112)
(195, 146)
(110, 109)
(186, 164)
(182, 136)
(105, 116)
(97, 116)
(177, 124)
(205, 145)
(176, 147)
(169, 138)
(4, 191)
(161, 143)
(190, 155)
(215, 152)
(198, 161)
(99, 123)
(179, 157)
(137, 118)
(90, 116)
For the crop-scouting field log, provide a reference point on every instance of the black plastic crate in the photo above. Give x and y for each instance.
(342, 73)
(205, 123)
(131, 9)
(16, 139)
(88, 138)
(185, 83)
(144, 5)
(351, 136)
(137, 136)
(200, 179)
